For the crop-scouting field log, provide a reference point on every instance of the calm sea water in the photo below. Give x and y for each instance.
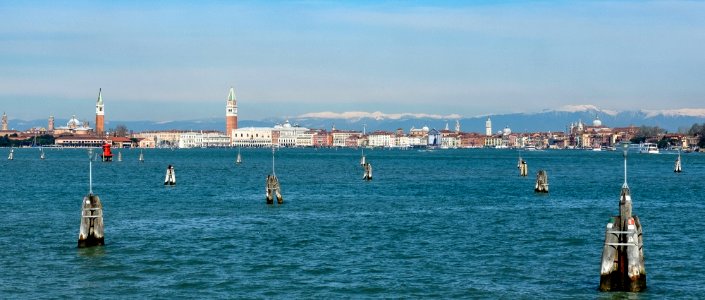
(441, 224)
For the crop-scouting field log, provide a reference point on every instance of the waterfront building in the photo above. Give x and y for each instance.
(288, 133)
(305, 139)
(417, 141)
(121, 142)
(450, 141)
(78, 141)
(340, 137)
(472, 140)
(322, 139)
(203, 139)
(231, 113)
(100, 114)
(162, 139)
(146, 143)
(402, 141)
(380, 139)
(257, 137)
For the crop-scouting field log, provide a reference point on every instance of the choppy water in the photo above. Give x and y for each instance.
(442, 224)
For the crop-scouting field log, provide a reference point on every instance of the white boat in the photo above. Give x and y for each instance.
(648, 148)
(12, 154)
(238, 160)
(141, 158)
(530, 148)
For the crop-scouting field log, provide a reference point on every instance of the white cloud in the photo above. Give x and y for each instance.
(377, 115)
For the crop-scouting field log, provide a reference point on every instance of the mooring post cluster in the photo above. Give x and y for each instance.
(622, 267)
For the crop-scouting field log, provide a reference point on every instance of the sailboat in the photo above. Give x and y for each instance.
(42, 156)
(677, 167)
(119, 155)
(141, 159)
(12, 154)
(238, 160)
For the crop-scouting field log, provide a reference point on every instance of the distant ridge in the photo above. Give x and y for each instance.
(546, 120)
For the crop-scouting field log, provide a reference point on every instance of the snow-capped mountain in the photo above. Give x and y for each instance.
(547, 120)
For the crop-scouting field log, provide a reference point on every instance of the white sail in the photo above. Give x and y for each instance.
(141, 156)
(12, 154)
(42, 156)
(120, 156)
(239, 157)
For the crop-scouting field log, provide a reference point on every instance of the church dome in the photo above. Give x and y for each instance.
(597, 122)
(507, 131)
(287, 124)
(425, 129)
(73, 122)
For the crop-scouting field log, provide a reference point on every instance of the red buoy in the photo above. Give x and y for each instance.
(107, 155)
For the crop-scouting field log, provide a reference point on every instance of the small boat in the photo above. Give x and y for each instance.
(648, 148)
(530, 148)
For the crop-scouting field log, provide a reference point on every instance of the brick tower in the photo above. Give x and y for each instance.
(231, 113)
(99, 114)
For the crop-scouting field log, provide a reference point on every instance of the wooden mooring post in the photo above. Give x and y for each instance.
(170, 177)
(541, 182)
(622, 267)
(523, 167)
(368, 172)
(272, 186)
(91, 230)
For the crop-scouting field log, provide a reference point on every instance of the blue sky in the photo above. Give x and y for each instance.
(174, 60)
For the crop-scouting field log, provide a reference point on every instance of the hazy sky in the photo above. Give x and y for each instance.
(165, 60)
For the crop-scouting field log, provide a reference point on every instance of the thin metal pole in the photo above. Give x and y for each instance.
(90, 174)
(273, 173)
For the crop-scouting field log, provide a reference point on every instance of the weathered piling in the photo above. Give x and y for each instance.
(678, 168)
(272, 186)
(541, 182)
(170, 178)
(91, 231)
(523, 167)
(368, 172)
(622, 267)
(273, 189)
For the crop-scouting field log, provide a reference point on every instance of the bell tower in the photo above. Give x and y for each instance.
(488, 127)
(4, 121)
(99, 114)
(231, 113)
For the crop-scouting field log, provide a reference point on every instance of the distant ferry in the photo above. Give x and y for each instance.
(648, 148)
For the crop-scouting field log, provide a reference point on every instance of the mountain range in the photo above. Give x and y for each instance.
(547, 120)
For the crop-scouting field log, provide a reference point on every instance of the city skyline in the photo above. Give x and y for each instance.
(177, 62)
